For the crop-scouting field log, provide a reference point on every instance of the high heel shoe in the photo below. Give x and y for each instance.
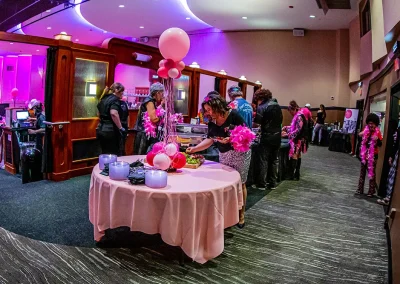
(240, 226)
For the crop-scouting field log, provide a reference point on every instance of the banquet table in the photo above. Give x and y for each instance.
(191, 212)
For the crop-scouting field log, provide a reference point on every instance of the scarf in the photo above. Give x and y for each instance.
(367, 152)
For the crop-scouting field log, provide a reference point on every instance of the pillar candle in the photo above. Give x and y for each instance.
(119, 170)
(106, 159)
(156, 179)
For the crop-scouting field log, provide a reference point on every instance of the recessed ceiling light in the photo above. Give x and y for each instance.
(244, 18)
(187, 18)
(37, 50)
(312, 16)
(63, 33)
(141, 27)
(77, 40)
(104, 32)
(49, 28)
(121, 6)
(48, 11)
(11, 43)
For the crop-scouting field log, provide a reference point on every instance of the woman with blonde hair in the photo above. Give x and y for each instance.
(110, 130)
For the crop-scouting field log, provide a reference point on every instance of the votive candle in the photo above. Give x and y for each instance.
(119, 170)
(106, 159)
(156, 179)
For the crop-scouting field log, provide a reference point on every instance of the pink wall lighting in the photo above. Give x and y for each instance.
(38, 76)
(23, 83)
(1, 75)
(9, 77)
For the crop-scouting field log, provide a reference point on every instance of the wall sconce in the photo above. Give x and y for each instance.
(222, 72)
(63, 36)
(258, 82)
(194, 65)
(243, 78)
(181, 94)
(141, 57)
(91, 89)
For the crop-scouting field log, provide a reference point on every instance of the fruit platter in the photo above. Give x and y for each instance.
(193, 161)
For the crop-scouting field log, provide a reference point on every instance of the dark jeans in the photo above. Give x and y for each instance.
(268, 157)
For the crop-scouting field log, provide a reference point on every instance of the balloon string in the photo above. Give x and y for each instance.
(169, 125)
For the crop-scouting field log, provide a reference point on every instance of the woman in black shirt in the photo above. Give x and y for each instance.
(321, 115)
(224, 120)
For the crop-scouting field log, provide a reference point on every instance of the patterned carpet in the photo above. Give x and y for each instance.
(311, 231)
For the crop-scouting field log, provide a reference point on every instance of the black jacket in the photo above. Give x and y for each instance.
(269, 116)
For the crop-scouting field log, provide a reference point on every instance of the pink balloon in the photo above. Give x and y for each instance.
(150, 157)
(179, 75)
(173, 73)
(14, 93)
(163, 72)
(179, 161)
(158, 147)
(171, 149)
(180, 65)
(162, 63)
(162, 161)
(169, 64)
(174, 43)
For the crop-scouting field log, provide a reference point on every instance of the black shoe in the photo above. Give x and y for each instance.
(240, 226)
(272, 186)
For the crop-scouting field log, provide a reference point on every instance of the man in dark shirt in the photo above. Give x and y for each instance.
(269, 117)
(40, 127)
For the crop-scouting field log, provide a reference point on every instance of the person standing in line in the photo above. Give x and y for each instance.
(241, 105)
(225, 119)
(124, 116)
(269, 117)
(142, 142)
(297, 133)
(371, 141)
(110, 130)
(319, 124)
(40, 127)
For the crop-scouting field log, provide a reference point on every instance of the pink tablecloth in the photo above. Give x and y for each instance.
(191, 212)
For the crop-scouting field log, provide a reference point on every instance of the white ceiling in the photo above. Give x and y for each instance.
(270, 14)
(97, 20)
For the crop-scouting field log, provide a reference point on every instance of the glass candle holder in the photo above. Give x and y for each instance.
(119, 170)
(156, 179)
(106, 159)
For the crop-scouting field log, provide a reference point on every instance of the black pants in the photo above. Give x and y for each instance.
(143, 144)
(109, 142)
(268, 157)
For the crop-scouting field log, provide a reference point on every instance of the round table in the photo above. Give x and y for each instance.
(191, 212)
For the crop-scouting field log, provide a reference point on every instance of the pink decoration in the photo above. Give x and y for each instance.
(14, 93)
(162, 63)
(367, 153)
(241, 138)
(305, 112)
(149, 127)
(150, 157)
(169, 64)
(180, 65)
(162, 161)
(173, 73)
(233, 105)
(171, 149)
(163, 72)
(179, 161)
(174, 43)
(158, 147)
(176, 118)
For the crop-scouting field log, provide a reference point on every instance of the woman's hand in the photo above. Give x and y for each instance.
(191, 150)
(225, 140)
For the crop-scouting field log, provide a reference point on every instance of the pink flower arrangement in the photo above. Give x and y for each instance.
(367, 152)
(150, 127)
(176, 118)
(241, 138)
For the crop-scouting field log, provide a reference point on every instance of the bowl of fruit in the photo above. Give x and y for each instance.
(194, 161)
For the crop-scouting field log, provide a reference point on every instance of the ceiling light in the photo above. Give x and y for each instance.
(11, 43)
(243, 78)
(244, 18)
(258, 82)
(49, 28)
(77, 40)
(312, 16)
(63, 36)
(104, 32)
(63, 33)
(141, 27)
(222, 72)
(187, 18)
(48, 11)
(194, 65)
(121, 6)
(37, 50)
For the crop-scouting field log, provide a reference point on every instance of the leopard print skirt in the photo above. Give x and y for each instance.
(240, 161)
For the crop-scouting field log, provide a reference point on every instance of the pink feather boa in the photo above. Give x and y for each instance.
(241, 138)
(367, 152)
(307, 114)
(149, 127)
